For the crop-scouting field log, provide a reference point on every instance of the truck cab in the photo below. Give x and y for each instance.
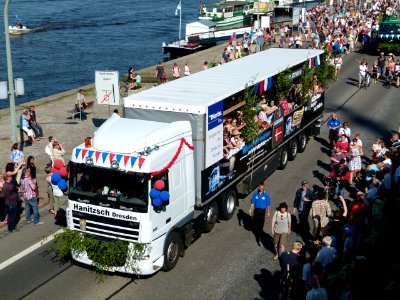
(111, 182)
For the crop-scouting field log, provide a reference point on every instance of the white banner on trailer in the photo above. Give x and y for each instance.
(214, 136)
(107, 87)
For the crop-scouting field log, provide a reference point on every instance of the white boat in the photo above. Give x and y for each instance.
(18, 30)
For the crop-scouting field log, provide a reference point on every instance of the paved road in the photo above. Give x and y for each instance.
(226, 263)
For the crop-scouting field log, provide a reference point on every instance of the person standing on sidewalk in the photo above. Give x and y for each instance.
(50, 195)
(260, 203)
(29, 187)
(10, 190)
(58, 152)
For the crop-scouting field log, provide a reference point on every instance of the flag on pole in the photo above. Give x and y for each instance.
(178, 8)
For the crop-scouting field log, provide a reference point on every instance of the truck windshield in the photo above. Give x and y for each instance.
(108, 187)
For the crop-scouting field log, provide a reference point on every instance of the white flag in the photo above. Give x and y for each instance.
(178, 9)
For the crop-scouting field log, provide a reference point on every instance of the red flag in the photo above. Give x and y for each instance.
(278, 133)
(126, 158)
(84, 151)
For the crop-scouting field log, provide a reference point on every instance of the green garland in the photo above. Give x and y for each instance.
(325, 71)
(105, 254)
(281, 87)
(249, 112)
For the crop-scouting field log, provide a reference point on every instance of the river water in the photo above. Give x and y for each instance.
(74, 38)
(71, 39)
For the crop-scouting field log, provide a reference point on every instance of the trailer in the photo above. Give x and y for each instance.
(161, 175)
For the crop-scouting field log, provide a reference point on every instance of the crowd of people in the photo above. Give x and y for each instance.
(19, 187)
(344, 232)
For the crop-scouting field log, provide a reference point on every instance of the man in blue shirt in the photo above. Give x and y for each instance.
(334, 125)
(260, 202)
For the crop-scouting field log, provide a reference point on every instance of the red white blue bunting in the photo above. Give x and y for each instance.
(83, 153)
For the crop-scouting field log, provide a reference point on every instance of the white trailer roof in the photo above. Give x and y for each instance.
(194, 93)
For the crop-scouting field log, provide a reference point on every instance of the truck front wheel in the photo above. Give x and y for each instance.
(228, 205)
(172, 249)
(210, 216)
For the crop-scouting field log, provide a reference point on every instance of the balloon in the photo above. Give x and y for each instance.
(54, 170)
(154, 193)
(164, 195)
(58, 164)
(157, 202)
(348, 229)
(55, 178)
(159, 185)
(62, 184)
(64, 172)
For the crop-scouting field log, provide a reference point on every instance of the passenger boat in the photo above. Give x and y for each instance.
(18, 30)
(228, 13)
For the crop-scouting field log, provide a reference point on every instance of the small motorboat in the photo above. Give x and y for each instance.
(18, 30)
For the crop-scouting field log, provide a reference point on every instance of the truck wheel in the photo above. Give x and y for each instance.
(302, 143)
(283, 158)
(293, 149)
(172, 249)
(210, 216)
(228, 205)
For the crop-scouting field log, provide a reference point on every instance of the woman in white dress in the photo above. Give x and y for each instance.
(355, 161)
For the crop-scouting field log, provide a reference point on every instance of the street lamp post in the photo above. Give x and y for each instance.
(11, 92)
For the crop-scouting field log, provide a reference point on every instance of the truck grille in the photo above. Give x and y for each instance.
(109, 227)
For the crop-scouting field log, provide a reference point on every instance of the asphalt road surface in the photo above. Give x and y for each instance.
(225, 263)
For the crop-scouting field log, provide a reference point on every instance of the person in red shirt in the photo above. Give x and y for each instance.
(341, 175)
(344, 144)
(358, 215)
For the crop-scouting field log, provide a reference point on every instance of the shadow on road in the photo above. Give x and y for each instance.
(98, 122)
(269, 283)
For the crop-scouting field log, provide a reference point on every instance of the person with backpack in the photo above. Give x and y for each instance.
(291, 271)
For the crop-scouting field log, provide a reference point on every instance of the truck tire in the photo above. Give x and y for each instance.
(210, 216)
(228, 204)
(172, 249)
(283, 158)
(302, 143)
(293, 149)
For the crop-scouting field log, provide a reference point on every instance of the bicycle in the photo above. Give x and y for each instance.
(366, 80)
(389, 79)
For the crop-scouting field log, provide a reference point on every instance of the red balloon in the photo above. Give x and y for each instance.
(64, 172)
(58, 164)
(54, 170)
(159, 185)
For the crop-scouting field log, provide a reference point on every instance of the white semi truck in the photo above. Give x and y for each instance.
(162, 174)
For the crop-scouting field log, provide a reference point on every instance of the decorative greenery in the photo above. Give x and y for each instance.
(282, 85)
(249, 112)
(306, 81)
(105, 254)
(325, 71)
